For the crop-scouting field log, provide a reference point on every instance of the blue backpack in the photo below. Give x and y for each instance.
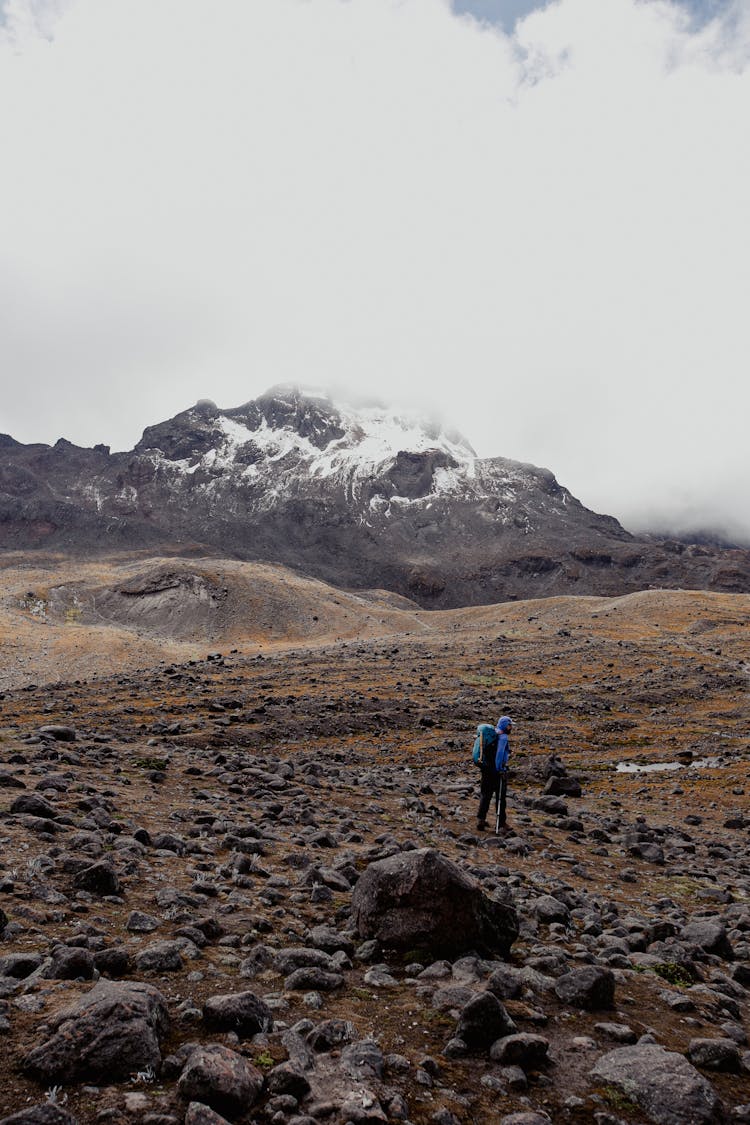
(484, 744)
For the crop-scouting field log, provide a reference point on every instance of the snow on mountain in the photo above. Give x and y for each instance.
(360, 496)
(290, 440)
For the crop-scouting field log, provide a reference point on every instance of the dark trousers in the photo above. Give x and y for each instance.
(492, 785)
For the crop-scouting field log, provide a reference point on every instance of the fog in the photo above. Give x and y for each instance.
(539, 232)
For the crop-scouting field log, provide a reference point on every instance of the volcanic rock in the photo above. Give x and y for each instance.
(220, 1078)
(420, 898)
(41, 1115)
(241, 1012)
(664, 1084)
(111, 1032)
(591, 987)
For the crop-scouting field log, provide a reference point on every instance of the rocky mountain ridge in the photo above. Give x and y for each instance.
(358, 497)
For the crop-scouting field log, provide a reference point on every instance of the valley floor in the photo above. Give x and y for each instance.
(238, 795)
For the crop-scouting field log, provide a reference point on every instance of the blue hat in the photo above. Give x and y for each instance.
(504, 724)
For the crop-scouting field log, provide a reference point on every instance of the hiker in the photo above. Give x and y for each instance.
(491, 751)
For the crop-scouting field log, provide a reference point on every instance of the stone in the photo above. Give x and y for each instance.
(32, 805)
(10, 781)
(711, 935)
(483, 1020)
(220, 1078)
(70, 963)
(562, 787)
(363, 1060)
(289, 960)
(331, 941)
(241, 1012)
(100, 879)
(286, 1078)
(547, 909)
(313, 978)
(504, 982)
(114, 962)
(525, 1050)
(41, 1115)
(111, 1032)
(140, 923)
(668, 1089)
(620, 1032)
(420, 898)
(526, 1117)
(19, 965)
(331, 1033)
(714, 1054)
(199, 1114)
(159, 957)
(58, 732)
(591, 987)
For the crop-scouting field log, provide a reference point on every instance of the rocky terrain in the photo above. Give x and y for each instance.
(246, 885)
(358, 497)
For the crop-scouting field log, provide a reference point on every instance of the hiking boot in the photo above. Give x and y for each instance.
(481, 825)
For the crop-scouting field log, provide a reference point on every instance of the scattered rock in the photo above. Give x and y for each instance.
(664, 1084)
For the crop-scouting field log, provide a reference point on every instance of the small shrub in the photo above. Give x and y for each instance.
(674, 974)
(617, 1099)
(152, 763)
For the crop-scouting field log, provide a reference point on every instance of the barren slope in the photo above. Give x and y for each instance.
(279, 775)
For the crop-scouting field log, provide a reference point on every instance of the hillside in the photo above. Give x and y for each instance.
(195, 832)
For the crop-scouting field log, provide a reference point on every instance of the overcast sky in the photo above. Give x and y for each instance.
(531, 217)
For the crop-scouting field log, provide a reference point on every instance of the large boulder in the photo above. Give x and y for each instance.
(664, 1084)
(112, 1032)
(421, 899)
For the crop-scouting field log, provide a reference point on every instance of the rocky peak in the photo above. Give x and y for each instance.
(359, 495)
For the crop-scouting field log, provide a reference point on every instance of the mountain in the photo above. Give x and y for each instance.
(361, 497)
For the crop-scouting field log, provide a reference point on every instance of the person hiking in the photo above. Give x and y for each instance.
(502, 754)
(485, 752)
(491, 751)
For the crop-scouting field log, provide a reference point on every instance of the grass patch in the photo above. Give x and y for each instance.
(678, 887)
(264, 1060)
(152, 763)
(616, 1099)
(674, 974)
(435, 1018)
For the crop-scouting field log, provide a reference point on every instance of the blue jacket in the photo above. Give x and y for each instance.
(503, 752)
(503, 744)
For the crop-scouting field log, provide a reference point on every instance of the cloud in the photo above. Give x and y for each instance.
(542, 235)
